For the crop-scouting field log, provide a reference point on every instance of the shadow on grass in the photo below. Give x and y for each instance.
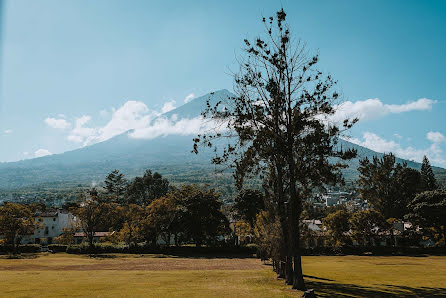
(329, 289)
(20, 256)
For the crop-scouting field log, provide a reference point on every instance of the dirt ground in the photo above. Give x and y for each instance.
(85, 263)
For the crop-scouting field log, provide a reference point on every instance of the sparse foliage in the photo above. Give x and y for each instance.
(282, 126)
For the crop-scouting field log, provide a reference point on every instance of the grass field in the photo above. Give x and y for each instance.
(155, 275)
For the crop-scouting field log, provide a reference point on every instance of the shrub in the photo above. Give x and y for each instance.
(29, 248)
(57, 247)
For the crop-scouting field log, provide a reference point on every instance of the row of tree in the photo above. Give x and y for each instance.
(402, 193)
(149, 211)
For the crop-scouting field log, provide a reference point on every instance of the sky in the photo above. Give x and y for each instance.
(76, 72)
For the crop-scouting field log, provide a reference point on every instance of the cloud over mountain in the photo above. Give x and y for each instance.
(374, 108)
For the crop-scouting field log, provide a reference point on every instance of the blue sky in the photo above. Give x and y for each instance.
(74, 72)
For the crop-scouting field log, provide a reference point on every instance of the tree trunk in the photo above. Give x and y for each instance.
(289, 270)
(444, 234)
(175, 236)
(294, 212)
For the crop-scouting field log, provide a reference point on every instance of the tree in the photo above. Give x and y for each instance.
(282, 126)
(94, 215)
(161, 218)
(200, 214)
(427, 175)
(366, 225)
(143, 190)
(268, 237)
(131, 229)
(338, 224)
(243, 232)
(387, 186)
(66, 237)
(428, 210)
(115, 186)
(16, 221)
(248, 204)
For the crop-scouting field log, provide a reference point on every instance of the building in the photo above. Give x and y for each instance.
(49, 225)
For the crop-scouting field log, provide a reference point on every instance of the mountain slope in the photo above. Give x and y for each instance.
(171, 155)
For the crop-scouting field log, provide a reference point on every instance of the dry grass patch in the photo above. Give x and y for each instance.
(168, 276)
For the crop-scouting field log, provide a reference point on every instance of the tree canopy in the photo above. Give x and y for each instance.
(428, 210)
(248, 203)
(427, 175)
(16, 221)
(388, 186)
(143, 190)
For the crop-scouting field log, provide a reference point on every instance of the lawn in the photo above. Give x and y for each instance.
(158, 275)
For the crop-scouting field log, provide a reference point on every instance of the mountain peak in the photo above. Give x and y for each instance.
(196, 106)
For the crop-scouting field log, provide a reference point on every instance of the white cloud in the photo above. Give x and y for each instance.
(143, 123)
(7, 131)
(374, 108)
(168, 106)
(131, 115)
(372, 141)
(189, 97)
(435, 137)
(80, 133)
(57, 123)
(163, 127)
(42, 152)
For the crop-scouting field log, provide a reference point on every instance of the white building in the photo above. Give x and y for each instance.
(49, 225)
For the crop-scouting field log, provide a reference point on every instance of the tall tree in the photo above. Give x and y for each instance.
(143, 190)
(283, 127)
(428, 210)
(115, 185)
(388, 186)
(248, 203)
(16, 221)
(427, 175)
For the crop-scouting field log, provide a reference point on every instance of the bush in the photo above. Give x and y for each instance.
(57, 247)
(29, 248)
